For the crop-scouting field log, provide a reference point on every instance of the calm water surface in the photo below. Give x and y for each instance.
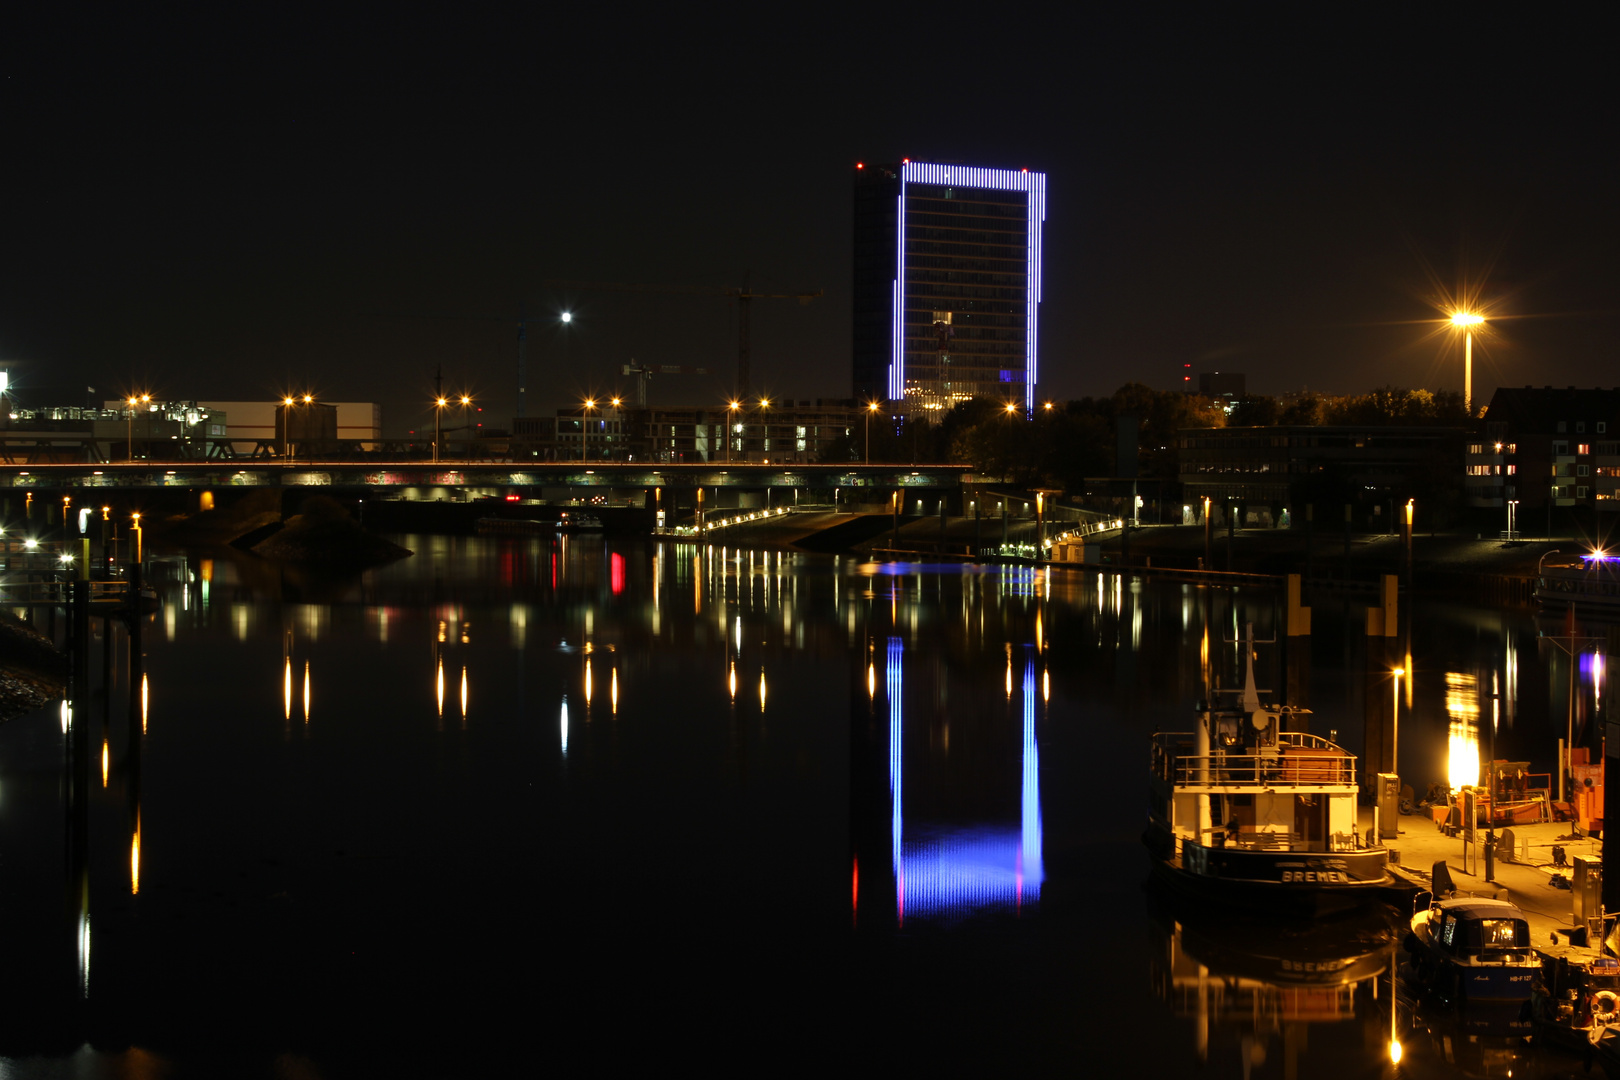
(615, 804)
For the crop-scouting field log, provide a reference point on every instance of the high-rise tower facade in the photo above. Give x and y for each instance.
(947, 284)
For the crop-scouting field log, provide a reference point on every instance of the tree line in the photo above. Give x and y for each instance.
(1062, 445)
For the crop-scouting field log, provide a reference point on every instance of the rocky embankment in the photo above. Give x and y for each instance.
(323, 535)
(32, 672)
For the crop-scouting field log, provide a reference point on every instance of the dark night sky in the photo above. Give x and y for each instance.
(230, 202)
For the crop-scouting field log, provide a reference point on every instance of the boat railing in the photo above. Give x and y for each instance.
(1300, 760)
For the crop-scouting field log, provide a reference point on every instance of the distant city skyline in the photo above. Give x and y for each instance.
(201, 211)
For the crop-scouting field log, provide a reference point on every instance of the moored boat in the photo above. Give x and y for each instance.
(1287, 798)
(1473, 949)
(1588, 583)
(1575, 995)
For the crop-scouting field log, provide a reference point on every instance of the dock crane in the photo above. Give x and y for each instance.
(744, 297)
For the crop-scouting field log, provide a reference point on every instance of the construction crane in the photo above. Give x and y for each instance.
(744, 297)
(522, 319)
(643, 372)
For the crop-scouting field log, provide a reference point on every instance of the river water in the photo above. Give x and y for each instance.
(615, 804)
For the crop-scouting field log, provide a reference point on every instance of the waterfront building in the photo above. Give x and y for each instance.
(947, 285)
(1230, 385)
(1261, 465)
(42, 432)
(785, 431)
(1547, 447)
(255, 423)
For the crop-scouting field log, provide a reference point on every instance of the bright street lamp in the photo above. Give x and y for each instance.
(731, 422)
(1467, 320)
(871, 407)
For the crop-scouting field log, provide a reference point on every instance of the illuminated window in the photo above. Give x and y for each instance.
(1583, 448)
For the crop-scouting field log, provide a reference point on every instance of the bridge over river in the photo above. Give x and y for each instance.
(451, 481)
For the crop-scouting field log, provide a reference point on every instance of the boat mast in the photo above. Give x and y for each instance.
(1201, 745)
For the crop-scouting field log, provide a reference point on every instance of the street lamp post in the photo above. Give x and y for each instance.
(731, 423)
(286, 425)
(871, 407)
(1512, 505)
(1467, 320)
(438, 414)
(131, 429)
(465, 431)
(1395, 728)
(584, 417)
(764, 426)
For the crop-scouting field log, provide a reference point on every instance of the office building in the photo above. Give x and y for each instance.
(1546, 447)
(947, 285)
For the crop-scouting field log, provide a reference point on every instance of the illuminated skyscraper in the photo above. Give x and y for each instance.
(947, 284)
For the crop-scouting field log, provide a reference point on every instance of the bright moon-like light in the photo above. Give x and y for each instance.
(568, 316)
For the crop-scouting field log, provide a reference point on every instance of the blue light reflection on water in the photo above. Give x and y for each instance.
(950, 873)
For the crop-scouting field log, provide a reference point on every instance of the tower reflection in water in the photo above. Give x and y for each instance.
(950, 871)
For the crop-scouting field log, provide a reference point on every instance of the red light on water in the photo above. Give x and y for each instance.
(616, 573)
(511, 498)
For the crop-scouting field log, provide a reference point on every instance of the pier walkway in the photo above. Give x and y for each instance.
(1526, 882)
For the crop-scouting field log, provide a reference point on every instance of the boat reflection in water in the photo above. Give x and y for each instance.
(1315, 993)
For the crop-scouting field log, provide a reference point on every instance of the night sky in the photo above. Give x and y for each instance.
(232, 202)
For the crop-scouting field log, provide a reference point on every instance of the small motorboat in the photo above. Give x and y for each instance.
(1471, 948)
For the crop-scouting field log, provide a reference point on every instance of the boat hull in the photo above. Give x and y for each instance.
(1303, 884)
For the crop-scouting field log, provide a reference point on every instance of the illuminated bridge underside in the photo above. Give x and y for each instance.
(417, 475)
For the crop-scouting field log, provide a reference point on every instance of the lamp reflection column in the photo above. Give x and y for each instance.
(1467, 321)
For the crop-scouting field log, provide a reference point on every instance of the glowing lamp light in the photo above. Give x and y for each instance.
(308, 399)
(616, 403)
(1466, 318)
(1395, 1051)
(286, 401)
(568, 316)
(1011, 408)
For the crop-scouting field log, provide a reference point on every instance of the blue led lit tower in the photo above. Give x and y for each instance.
(947, 284)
